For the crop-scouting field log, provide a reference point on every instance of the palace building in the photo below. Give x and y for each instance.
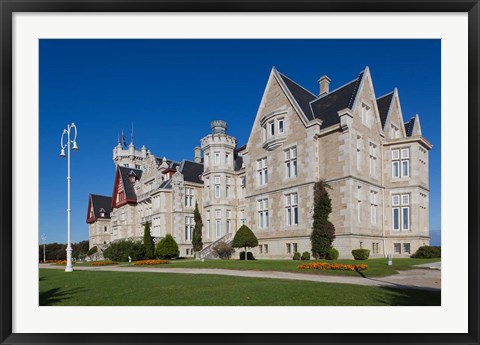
(375, 163)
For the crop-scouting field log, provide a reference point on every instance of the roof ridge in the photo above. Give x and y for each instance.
(293, 81)
(354, 93)
(337, 89)
(385, 95)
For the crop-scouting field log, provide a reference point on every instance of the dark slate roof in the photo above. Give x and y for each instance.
(191, 171)
(166, 184)
(301, 95)
(99, 202)
(171, 164)
(127, 185)
(383, 104)
(326, 107)
(238, 160)
(409, 127)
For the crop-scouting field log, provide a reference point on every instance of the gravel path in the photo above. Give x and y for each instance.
(426, 279)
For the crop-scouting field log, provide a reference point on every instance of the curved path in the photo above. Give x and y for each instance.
(426, 279)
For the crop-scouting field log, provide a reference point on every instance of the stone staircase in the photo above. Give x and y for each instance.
(207, 252)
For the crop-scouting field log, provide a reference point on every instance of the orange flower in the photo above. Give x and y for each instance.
(151, 262)
(334, 266)
(102, 263)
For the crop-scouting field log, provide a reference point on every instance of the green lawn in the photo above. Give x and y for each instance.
(94, 288)
(376, 267)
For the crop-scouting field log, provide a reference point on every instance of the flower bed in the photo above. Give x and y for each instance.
(51, 261)
(102, 263)
(327, 266)
(60, 262)
(151, 262)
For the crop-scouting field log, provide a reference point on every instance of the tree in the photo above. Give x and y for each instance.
(197, 230)
(244, 238)
(120, 250)
(147, 241)
(167, 248)
(323, 231)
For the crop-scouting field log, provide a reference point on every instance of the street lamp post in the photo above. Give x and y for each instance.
(67, 131)
(44, 239)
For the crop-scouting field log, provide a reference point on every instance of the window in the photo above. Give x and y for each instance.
(401, 212)
(406, 248)
(359, 152)
(137, 166)
(126, 165)
(281, 126)
(289, 248)
(365, 114)
(262, 213)
(375, 248)
(218, 223)
(243, 185)
(359, 203)
(295, 247)
(291, 209)
(229, 221)
(227, 158)
(401, 163)
(105, 229)
(208, 223)
(291, 162)
(188, 197)
(271, 126)
(228, 187)
(217, 187)
(265, 248)
(373, 207)
(260, 247)
(188, 228)
(397, 249)
(243, 219)
(217, 157)
(372, 149)
(262, 171)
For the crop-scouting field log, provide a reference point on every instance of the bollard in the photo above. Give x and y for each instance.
(389, 256)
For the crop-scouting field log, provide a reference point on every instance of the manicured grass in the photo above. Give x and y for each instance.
(103, 288)
(376, 267)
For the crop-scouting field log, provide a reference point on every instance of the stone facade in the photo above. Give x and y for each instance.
(376, 165)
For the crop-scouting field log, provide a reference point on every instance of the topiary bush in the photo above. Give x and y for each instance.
(167, 248)
(361, 254)
(296, 256)
(120, 250)
(223, 250)
(249, 256)
(428, 252)
(333, 254)
(244, 237)
(305, 256)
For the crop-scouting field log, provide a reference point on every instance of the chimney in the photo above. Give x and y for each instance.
(198, 158)
(324, 83)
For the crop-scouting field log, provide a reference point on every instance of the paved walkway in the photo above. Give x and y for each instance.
(426, 279)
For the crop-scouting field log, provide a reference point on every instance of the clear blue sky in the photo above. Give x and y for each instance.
(172, 89)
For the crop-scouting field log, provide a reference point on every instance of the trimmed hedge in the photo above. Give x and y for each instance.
(428, 252)
(167, 248)
(120, 251)
(332, 254)
(296, 256)
(305, 256)
(361, 254)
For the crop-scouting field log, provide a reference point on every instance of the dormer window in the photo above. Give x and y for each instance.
(132, 176)
(273, 130)
(102, 213)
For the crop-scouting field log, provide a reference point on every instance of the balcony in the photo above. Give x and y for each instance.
(275, 141)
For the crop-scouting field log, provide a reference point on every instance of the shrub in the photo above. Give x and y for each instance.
(296, 256)
(332, 254)
(92, 251)
(244, 238)
(323, 231)
(428, 252)
(361, 254)
(223, 250)
(197, 230)
(249, 256)
(167, 248)
(305, 256)
(120, 250)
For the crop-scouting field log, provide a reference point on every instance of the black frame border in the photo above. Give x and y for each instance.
(9, 7)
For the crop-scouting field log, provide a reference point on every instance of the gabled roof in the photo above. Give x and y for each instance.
(98, 203)
(383, 104)
(409, 127)
(301, 95)
(191, 171)
(127, 185)
(324, 107)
